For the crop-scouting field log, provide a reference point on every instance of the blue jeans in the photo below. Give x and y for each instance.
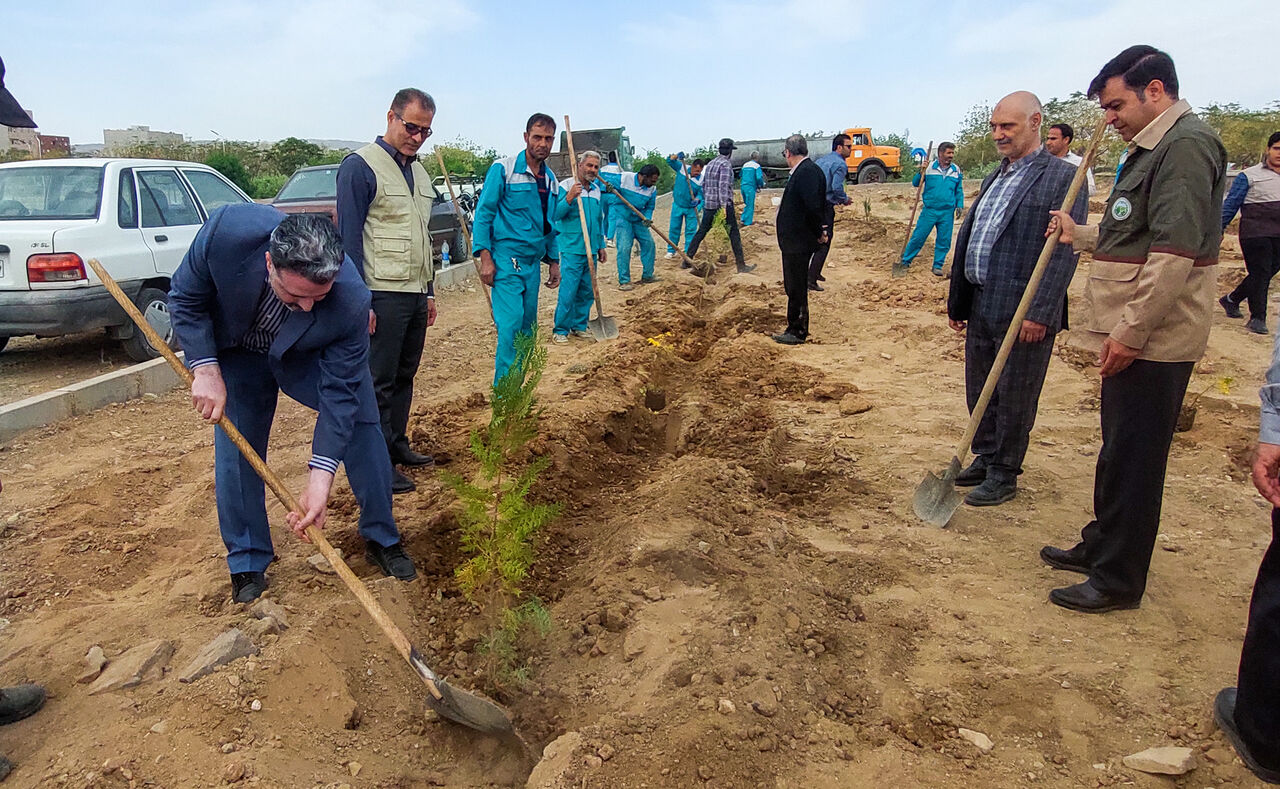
(682, 215)
(748, 207)
(943, 220)
(515, 304)
(573, 305)
(626, 231)
(242, 509)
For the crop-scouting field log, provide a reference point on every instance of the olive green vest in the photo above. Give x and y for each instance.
(397, 242)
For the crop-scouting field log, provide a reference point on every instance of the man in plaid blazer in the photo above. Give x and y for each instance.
(996, 250)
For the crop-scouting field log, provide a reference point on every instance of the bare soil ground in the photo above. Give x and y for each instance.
(741, 595)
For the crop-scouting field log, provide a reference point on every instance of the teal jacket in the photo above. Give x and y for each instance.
(510, 213)
(752, 177)
(644, 198)
(680, 192)
(569, 226)
(943, 189)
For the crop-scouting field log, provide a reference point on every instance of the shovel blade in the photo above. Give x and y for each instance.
(899, 270)
(603, 328)
(936, 498)
(469, 709)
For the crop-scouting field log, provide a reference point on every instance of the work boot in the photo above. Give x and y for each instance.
(401, 483)
(991, 492)
(1230, 307)
(1256, 325)
(20, 701)
(247, 587)
(745, 269)
(974, 474)
(391, 559)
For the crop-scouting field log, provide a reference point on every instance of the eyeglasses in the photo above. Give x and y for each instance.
(413, 129)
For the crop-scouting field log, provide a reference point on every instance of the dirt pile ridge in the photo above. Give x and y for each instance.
(739, 592)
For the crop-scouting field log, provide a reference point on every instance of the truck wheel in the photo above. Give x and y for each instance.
(460, 244)
(153, 303)
(871, 174)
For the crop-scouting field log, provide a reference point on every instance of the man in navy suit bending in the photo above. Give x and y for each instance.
(265, 303)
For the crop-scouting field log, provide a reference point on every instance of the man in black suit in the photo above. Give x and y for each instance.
(996, 250)
(800, 233)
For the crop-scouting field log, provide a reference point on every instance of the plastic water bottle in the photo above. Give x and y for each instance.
(444, 254)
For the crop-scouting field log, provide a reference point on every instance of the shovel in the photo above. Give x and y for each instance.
(937, 499)
(900, 270)
(466, 234)
(702, 270)
(603, 327)
(455, 704)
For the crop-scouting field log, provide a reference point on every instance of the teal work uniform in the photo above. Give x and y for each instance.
(752, 179)
(629, 228)
(943, 196)
(573, 306)
(515, 222)
(684, 208)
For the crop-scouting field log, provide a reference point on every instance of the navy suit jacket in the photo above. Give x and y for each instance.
(1017, 247)
(319, 358)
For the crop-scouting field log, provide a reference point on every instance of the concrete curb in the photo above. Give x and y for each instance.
(155, 376)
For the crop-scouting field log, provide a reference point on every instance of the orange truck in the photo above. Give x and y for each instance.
(868, 164)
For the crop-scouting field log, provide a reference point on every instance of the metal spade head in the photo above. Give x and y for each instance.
(469, 709)
(899, 270)
(936, 498)
(603, 328)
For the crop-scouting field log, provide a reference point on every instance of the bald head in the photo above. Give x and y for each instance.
(1015, 124)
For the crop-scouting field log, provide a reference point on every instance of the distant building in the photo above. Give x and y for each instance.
(114, 139)
(52, 144)
(20, 139)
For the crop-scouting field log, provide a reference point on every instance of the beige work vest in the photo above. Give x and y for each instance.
(397, 241)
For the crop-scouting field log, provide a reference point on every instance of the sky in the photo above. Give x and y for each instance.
(677, 75)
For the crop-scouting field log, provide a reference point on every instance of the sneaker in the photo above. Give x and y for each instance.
(560, 339)
(625, 286)
(745, 269)
(650, 280)
(1256, 325)
(1230, 307)
(937, 270)
(580, 333)
(391, 559)
(610, 244)
(669, 256)
(19, 702)
(247, 587)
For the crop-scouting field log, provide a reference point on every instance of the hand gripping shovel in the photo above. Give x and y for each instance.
(900, 270)
(603, 327)
(936, 498)
(700, 269)
(455, 704)
(466, 234)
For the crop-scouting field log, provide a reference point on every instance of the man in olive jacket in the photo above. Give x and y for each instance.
(1151, 289)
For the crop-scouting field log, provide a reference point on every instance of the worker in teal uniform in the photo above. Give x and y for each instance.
(752, 179)
(573, 306)
(686, 198)
(640, 190)
(943, 200)
(514, 234)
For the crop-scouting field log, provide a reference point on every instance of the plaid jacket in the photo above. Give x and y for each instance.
(1017, 248)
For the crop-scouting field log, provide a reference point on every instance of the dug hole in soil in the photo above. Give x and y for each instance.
(739, 592)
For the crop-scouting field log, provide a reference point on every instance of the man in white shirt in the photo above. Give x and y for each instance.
(1058, 141)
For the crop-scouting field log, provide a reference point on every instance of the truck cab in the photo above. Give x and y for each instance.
(870, 163)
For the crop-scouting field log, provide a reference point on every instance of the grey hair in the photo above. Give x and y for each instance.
(307, 244)
(585, 155)
(754, 155)
(797, 145)
(406, 95)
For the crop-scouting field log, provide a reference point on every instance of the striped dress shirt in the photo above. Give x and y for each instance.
(991, 209)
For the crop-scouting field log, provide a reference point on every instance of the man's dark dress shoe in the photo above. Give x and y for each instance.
(1085, 598)
(1072, 560)
(392, 560)
(400, 483)
(787, 338)
(19, 702)
(1224, 712)
(815, 287)
(973, 474)
(991, 492)
(407, 457)
(247, 587)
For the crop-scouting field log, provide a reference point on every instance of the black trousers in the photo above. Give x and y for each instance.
(1005, 430)
(1261, 261)
(820, 256)
(735, 237)
(1258, 697)
(395, 349)
(795, 281)
(1139, 410)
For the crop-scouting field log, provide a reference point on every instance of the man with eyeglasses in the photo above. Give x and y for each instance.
(384, 208)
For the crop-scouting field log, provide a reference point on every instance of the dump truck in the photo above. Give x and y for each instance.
(868, 164)
(602, 141)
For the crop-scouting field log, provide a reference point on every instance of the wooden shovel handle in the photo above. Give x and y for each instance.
(362, 593)
(582, 215)
(466, 234)
(649, 223)
(915, 205)
(1037, 274)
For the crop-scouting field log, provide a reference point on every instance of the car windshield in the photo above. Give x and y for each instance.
(321, 184)
(49, 192)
